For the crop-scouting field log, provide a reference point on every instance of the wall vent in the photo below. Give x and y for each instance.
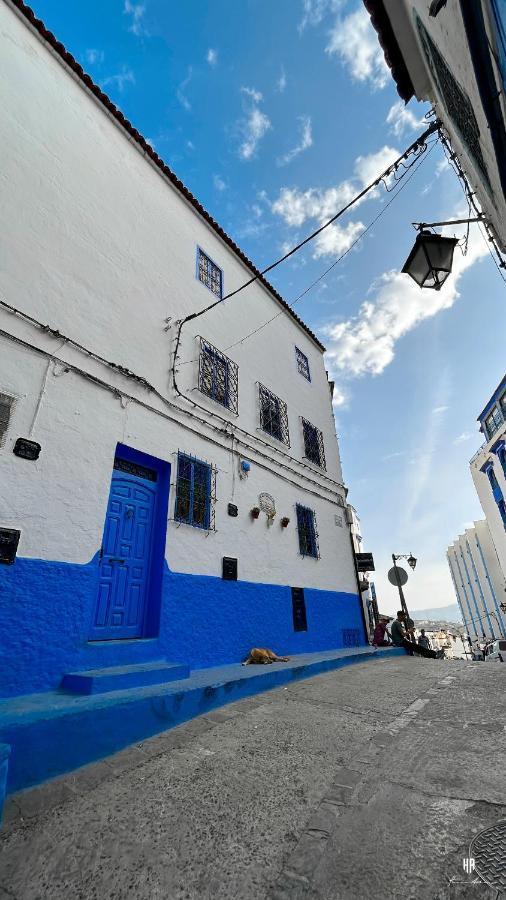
(6, 406)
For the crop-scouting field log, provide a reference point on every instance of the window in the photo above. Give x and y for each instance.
(194, 492)
(308, 536)
(313, 444)
(502, 510)
(299, 610)
(492, 478)
(502, 459)
(457, 103)
(209, 273)
(218, 376)
(273, 415)
(502, 403)
(6, 404)
(302, 364)
(493, 422)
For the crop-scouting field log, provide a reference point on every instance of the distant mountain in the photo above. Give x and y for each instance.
(438, 614)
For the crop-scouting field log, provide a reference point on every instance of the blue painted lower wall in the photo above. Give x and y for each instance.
(46, 609)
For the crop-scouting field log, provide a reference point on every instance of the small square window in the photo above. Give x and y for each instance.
(493, 422)
(273, 415)
(218, 376)
(194, 492)
(302, 364)
(313, 444)
(308, 536)
(209, 273)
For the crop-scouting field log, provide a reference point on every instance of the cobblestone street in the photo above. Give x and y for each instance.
(324, 789)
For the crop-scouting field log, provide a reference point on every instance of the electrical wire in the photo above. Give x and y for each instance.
(99, 382)
(282, 312)
(418, 145)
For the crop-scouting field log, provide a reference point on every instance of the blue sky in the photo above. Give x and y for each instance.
(272, 113)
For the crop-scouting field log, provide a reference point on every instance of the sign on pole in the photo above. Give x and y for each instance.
(397, 576)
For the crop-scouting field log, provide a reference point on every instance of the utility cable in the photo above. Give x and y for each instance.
(362, 234)
(413, 147)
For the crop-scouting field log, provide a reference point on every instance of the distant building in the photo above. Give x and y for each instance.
(479, 583)
(455, 60)
(488, 469)
(367, 587)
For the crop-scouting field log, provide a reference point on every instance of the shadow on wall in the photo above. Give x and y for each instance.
(47, 609)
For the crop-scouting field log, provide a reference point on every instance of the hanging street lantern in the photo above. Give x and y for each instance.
(431, 259)
(412, 561)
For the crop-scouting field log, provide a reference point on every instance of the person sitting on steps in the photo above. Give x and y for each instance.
(400, 639)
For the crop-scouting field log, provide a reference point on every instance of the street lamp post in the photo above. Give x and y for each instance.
(412, 563)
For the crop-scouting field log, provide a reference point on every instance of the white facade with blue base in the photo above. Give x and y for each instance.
(121, 545)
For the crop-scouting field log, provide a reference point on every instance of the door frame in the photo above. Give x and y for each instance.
(152, 606)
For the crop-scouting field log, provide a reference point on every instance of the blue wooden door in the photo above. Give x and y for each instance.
(125, 556)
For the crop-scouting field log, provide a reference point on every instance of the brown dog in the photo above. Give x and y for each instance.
(262, 657)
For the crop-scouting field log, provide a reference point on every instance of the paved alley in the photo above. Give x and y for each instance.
(369, 781)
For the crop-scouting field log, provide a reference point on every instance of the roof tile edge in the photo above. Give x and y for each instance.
(67, 57)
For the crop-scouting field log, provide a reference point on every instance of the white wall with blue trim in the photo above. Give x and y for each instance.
(104, 253)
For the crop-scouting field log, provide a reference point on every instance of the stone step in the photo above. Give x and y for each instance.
(120, 678)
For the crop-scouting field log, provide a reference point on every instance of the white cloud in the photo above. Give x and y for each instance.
(402, 119)
(355, 42)
(120, 79)
(439, 409)
(366, 343)
(212, 56)
(314, 11)
(306, 141)
(339, 398)
(136, 13)
(180, 93)
(254, 126)
(336, 239)
(255, 95)
(281, 82)
(295, 206)
(218, 182)
(465, 436)
(94, 56)
(190, 145)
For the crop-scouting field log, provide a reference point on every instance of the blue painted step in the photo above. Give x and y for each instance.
(119, 678)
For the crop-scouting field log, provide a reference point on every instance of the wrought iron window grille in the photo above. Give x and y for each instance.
(273, 415)
(218, 376)
(209, 273)
(195, 492)
(314, 450)
(307, 531)
(456, 102)
(302, 364)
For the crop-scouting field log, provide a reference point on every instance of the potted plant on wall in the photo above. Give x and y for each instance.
(255, 512)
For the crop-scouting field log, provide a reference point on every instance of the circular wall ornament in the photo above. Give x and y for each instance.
(267, 504)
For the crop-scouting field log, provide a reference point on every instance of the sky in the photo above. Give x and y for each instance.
(274, 115)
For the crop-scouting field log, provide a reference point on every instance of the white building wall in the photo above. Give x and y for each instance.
(448, 33)
(479, 582)
(101, 247)
(485, 495)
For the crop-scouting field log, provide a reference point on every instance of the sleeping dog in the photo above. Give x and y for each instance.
(262, 657)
